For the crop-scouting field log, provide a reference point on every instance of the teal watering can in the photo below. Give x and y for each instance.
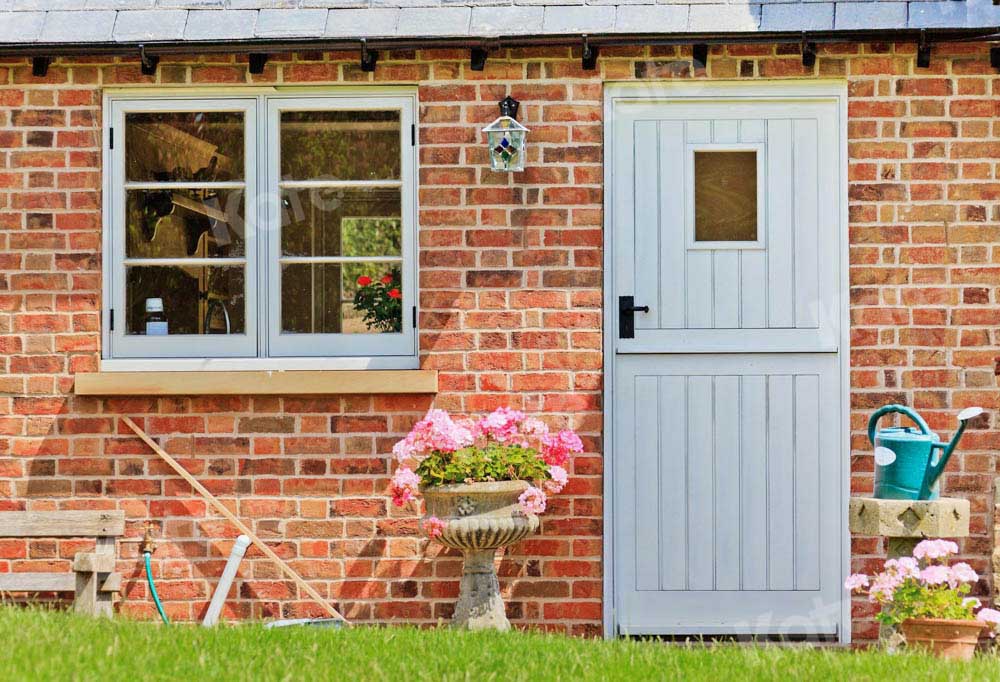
(908, 461)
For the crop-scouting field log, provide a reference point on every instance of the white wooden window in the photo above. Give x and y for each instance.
(277, 230)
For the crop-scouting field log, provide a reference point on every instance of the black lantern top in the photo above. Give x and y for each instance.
(508, 106)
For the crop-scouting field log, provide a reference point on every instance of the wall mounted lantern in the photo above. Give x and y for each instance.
(506, 138)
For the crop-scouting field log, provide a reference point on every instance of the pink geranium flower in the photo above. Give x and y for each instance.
(936, 575)
(502, 424)
(963, 573)
(992, 618)
(556, 447)
(434, 526)
(404, 486)
(534, 427)
(436, 431)
(934, 549)
(559, 479)
(532, 501)
(856, 581)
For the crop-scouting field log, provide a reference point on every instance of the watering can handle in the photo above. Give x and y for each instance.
(901, 409)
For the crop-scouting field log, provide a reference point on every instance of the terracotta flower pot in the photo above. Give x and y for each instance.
(952, 639)
(479, 519)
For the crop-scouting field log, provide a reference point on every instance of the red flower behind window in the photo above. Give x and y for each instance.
(394, 293)
(364, 280)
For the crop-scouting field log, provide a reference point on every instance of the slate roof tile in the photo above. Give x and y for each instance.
(139, 25)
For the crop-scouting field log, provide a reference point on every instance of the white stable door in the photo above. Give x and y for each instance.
(726, 456)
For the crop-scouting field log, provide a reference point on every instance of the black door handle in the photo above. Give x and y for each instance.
(626, 316)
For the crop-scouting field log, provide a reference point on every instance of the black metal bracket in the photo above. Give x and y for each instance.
(368, 57)
(995, 57)
(923, 51)
(257, 62)
(590, 53)
(808, 53)
(40, 66)
(147, 62)
(477, 58)
(699, 51)
(626, 316)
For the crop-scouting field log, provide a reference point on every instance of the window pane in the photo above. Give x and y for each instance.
(341, 222)
(341, 298)
(184, 223)
(184, 146)
(340, 145)
(725, 196)
(196, 299)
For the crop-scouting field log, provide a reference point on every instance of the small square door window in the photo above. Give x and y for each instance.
(725, 196)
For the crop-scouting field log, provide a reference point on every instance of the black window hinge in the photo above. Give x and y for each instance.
(414, 317)
(111, 138)
(111, 319)
(413, 134)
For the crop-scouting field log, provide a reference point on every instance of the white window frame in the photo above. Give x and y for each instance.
(692, 243)
(357, 345)
(264, 347)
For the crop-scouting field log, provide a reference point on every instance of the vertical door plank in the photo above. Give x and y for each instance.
(647, 479)
(780, 236)
(727, 482)
(624, 205)
(701, 484)
(780, 482)
(623, 501)
(647, 223)
(808, 534)
(673, 488)
(726, 289)
(753, 263)
(699, 290)
(753, 289)
(753, 481)
(673, 248)
(806, 200)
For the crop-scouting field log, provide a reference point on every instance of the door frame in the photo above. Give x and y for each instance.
(822, 89)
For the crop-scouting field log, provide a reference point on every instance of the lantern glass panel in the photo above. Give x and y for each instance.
(506, 139)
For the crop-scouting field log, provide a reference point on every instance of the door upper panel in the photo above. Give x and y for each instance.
(725, 225)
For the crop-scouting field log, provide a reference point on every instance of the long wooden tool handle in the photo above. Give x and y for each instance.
(222, 509)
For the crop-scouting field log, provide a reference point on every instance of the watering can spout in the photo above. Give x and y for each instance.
(935, 469)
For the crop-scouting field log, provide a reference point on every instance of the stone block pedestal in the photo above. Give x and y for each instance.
(904, 523)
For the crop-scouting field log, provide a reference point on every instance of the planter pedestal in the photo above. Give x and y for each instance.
(480, 518)
(480, 606)
(904, 523)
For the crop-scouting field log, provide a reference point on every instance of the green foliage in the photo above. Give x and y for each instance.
(61, 646)
(914, 600)
(381, 301)
(495, 462)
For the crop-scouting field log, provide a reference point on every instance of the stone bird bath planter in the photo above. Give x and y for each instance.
(479, 519)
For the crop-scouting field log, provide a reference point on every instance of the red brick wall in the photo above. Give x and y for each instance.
(510, 314)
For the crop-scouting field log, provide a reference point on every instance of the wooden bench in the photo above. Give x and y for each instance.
(93, 580)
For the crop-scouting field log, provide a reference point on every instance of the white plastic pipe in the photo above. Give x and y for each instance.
(226, 581)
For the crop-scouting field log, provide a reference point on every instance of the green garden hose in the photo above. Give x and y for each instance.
(152, 588)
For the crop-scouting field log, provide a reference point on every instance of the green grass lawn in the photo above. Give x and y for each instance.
(38, 645)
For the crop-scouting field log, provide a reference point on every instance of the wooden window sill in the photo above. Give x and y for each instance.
(261, 382)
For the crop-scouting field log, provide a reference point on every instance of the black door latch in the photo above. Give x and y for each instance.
(626, 316)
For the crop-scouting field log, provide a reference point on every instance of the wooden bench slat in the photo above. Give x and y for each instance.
(37, 582)
(66, 524)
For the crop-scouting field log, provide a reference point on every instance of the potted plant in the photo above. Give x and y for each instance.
(484, 483)
(926, 599)
(380, 302)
